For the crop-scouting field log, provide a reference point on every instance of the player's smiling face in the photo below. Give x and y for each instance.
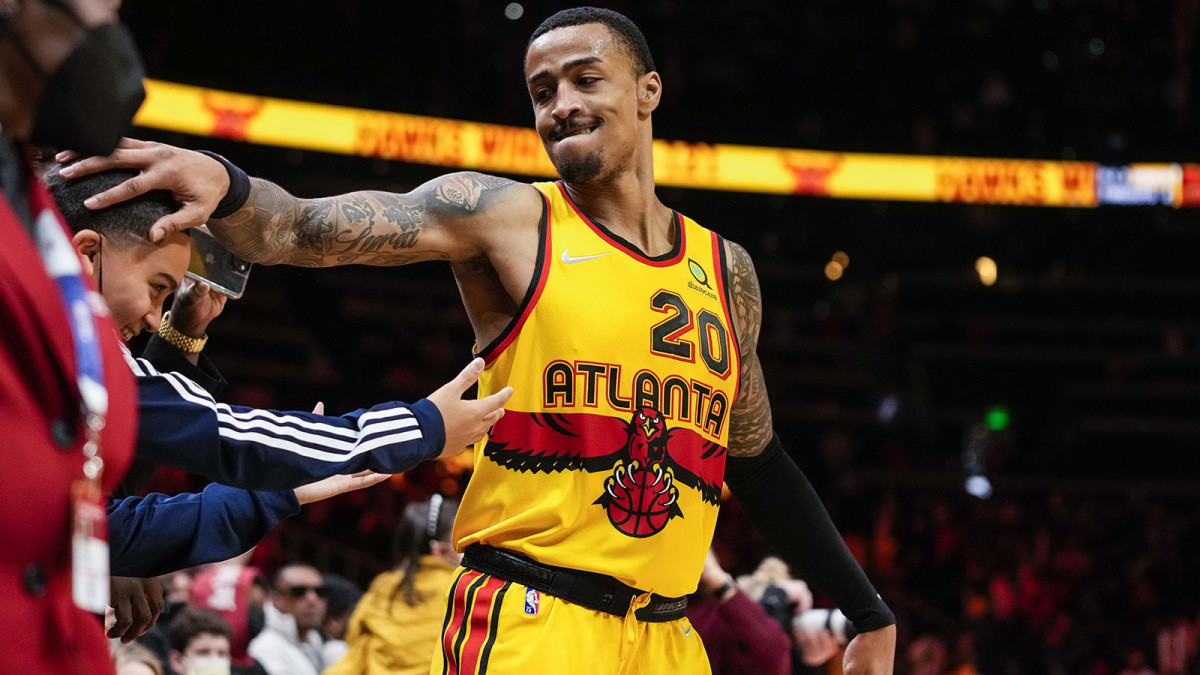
(585, 100)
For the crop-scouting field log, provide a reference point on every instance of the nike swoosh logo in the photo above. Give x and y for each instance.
(568, 258)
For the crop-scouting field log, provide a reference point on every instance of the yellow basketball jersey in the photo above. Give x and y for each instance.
(610, 456)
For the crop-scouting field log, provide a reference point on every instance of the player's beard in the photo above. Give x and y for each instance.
(580, 168)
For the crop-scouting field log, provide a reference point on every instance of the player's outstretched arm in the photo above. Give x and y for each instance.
(778, 499)
(448, 218)
(453, 217)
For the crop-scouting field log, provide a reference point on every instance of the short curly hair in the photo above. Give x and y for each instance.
(625, 30)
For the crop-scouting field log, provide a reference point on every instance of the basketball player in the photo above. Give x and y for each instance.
(629, 332)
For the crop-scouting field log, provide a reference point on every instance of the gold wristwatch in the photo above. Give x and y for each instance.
(184, 343)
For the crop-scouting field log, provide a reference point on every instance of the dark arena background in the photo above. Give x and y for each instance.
(998, 398)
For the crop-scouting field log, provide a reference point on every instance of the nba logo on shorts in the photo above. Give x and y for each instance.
(532, 600)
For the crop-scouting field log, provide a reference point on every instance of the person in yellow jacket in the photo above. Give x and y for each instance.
(396, 626)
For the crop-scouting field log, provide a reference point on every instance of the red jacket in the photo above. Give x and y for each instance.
(739, 636)
(41, 455)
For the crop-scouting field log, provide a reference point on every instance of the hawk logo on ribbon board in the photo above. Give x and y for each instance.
(231, 114)
(645, 460)
(811, 171)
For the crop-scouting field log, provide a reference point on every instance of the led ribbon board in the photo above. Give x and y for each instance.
(495, 148)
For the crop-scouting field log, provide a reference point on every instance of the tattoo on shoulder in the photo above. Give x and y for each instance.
(747, 297)
(465, 190)
(750, 420)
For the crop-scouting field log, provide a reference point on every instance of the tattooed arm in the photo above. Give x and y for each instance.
(440, 220)
(452, 217)
(750, 419)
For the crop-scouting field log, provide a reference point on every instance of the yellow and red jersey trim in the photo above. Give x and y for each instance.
(541, 271)
(667, 259)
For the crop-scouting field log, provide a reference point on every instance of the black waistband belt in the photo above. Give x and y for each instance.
(594, 591)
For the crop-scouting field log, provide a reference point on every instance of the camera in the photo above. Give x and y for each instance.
(832, 620)
(777, 605)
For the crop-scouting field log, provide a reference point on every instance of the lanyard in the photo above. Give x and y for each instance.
(62, 264)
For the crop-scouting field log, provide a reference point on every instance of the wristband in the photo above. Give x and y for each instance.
(239, 187)
(724, 589)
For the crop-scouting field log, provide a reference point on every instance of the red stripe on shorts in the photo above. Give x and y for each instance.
(456, 618)
(480, 615)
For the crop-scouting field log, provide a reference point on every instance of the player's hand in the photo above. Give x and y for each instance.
(872, 653)
(196, 305)
(136, 604)
(338, 484)
(198, 182)
(467, 421)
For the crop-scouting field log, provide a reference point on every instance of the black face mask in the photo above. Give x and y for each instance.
(89, 102)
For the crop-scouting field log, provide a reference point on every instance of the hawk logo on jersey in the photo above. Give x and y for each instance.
(640, 495)
(644, 458)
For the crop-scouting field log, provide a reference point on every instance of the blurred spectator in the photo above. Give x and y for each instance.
(179, 587)
(769, 572)
(783, 599)
(134, 659)
(343, 598)
(814, 649)
(926, 656)
(238, 594)
(290, 642)
(738, 634)
(1135, 664)
(1177, 643)
(200, 641)
(397, 623)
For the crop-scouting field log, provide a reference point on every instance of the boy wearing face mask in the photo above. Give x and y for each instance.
(200, 644)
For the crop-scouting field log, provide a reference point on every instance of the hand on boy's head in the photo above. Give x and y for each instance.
(197, 182)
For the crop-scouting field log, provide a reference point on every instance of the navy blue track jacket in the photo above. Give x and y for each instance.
(182, 426)
(156, 534)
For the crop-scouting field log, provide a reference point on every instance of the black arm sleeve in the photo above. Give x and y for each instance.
(778, 499)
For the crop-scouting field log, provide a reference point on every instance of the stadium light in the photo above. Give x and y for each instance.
(985, 267)
(997, 418)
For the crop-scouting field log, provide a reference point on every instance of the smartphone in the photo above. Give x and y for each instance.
(213, 264)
